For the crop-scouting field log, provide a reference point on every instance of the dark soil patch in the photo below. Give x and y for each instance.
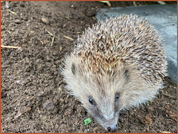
(32, 95)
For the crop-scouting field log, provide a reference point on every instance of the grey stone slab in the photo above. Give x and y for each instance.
(163, 18)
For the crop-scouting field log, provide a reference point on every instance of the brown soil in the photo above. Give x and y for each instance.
(32, 95)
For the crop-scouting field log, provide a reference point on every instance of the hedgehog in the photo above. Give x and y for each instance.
(116, 64)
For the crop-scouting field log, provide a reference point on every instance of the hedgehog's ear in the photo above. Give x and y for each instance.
(126, 73)
(73, 68)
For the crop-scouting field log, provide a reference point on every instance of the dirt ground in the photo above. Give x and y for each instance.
(33, 98)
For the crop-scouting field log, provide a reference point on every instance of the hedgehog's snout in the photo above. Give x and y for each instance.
(112, 128)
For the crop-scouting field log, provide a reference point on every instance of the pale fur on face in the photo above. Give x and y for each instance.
(124, 80)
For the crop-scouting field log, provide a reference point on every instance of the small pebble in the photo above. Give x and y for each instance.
(31, 33)
(45, 20)
(60, 48)
(73, 6)
(18, 21)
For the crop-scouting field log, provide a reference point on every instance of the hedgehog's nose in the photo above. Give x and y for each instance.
(112, 128)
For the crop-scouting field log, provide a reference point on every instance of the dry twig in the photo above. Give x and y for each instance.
(9, 47)
(68, 37)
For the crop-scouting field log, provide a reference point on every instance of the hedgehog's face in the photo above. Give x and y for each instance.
(106, 114)
(102, 96)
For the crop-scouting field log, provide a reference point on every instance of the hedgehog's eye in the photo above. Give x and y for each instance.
(91, 101)
(117, 96)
